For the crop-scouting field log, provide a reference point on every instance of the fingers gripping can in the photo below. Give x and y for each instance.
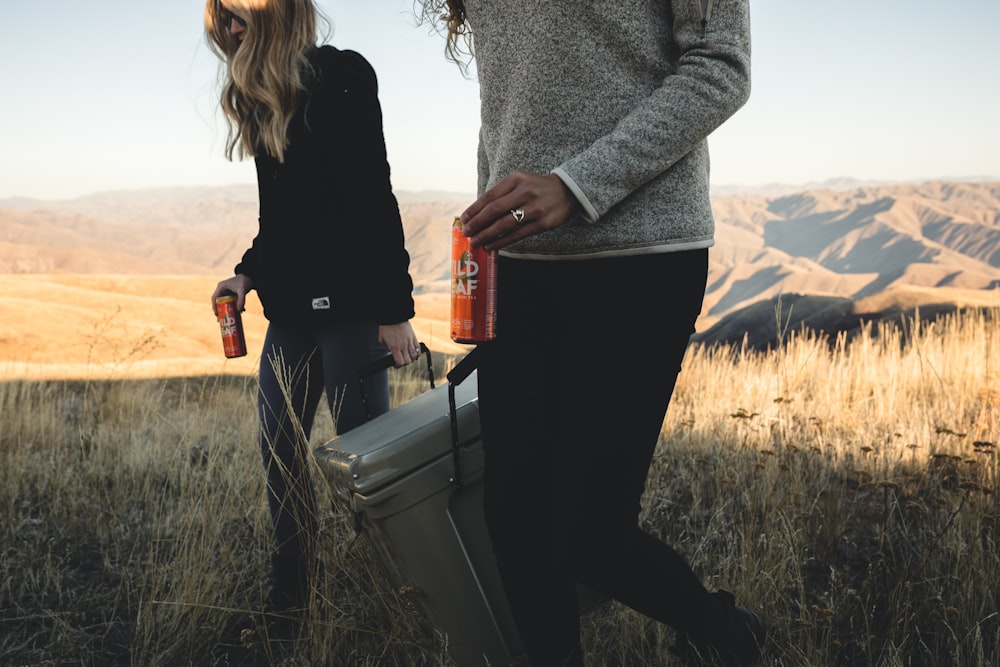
(473, 290)
(234, 343)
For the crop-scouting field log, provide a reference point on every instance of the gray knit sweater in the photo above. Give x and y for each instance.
(617, 99)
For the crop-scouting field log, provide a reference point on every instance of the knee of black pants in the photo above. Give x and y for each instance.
(597, 542)
(513, 522)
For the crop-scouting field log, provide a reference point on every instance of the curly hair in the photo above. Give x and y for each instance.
(265, 76)
(452, 14)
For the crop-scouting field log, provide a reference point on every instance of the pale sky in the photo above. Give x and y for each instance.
(113, 95)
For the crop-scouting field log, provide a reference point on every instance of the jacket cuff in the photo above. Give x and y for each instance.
(397, 318)
(590, 213)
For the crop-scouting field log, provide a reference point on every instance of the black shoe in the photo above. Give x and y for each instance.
(282, 617)
(742, 637)
(267, 625)
(284, 625)
(737, 642)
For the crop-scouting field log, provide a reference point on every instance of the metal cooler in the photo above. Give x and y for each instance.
(397, 472)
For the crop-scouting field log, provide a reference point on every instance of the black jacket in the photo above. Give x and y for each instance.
(330, 242)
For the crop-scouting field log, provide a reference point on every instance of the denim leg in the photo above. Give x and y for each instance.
(289, 393)
(345, 348)
(296, 367)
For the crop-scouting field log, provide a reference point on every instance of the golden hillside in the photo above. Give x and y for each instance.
(119, 282)
(100, 326)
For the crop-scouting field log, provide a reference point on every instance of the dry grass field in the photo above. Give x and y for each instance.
(846, 489)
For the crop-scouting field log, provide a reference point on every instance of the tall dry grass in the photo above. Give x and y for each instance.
(846, 490)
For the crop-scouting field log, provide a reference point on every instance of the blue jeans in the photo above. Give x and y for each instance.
(297, 365)
(572, 394)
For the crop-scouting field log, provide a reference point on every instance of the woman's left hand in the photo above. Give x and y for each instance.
(519, 206)
(401, 342)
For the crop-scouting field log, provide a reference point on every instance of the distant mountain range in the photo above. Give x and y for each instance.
(832, 256)
(850, 255)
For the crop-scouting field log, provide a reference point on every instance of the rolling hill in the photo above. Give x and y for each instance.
(839, 254)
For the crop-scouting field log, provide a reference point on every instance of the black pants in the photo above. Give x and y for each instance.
(573, 393)
(297, 365)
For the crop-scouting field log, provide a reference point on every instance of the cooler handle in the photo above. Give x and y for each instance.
(456, 376)
(384, 363)
(464, 368)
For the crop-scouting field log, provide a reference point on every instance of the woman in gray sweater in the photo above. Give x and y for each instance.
(594, 187)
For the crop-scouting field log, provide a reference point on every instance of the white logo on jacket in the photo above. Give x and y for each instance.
(321, 303)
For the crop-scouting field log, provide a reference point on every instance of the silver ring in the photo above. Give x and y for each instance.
(414, 350)
(518, 214)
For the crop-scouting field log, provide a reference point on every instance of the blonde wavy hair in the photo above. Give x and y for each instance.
(450, 13)
(264, 77)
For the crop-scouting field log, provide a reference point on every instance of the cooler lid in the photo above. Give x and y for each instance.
(402, 440)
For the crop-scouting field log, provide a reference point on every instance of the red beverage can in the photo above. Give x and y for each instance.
(473, 290)
(234, 344)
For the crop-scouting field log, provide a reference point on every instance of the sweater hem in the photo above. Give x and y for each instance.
(615, 252)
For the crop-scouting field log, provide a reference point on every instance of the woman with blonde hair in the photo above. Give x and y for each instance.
(594, 188)
(328, 261)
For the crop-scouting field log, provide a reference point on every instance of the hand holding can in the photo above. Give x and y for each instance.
(473, 290)
(234, 343)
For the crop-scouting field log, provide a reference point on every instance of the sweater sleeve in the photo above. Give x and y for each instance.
(249, 262)
(372, 207)
(483, 165)
(711, 81)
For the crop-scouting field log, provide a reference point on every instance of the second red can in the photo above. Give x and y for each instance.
(473, 290)
(234, 343)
